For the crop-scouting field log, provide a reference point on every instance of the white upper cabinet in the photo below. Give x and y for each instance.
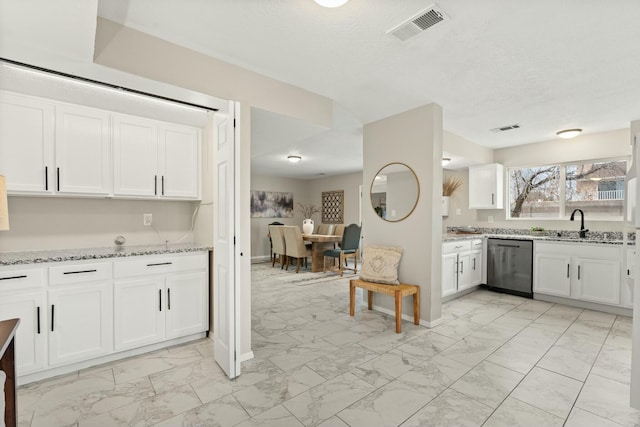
(155, 160)
(82, 151)
(486, 186)
(135, 156)
(26, 143)
(179, 161)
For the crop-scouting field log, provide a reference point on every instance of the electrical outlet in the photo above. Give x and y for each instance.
(458, 211)
(147, 219)
(490, 219)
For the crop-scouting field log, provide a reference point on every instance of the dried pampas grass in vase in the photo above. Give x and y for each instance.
(451, 185)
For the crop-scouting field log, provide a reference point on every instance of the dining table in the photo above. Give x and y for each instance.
(320, 243)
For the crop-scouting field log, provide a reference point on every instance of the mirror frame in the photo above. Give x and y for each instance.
(417, 195)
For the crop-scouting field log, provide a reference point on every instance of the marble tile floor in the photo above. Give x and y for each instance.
(496, 360)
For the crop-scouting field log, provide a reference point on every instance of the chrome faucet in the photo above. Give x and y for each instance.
(583, 232)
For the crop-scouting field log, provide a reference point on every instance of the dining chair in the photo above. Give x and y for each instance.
(279, 248)
(348, 249)
(338, 230)
(324, 229)
(272, 255)
(295, 246)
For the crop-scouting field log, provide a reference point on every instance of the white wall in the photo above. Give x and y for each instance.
(420, 235)
(61, 223)
(587, 147)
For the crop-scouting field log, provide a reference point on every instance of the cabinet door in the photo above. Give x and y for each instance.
(139, 309)
(82, 149)
(476, 268)
(187, 304)
(486, 186)
(464, 271)
(449, 274)
(26, 143)
(80, 322)
(135, 156)
(179, 162)
(598, 280)
(31, 343)
(552, 274)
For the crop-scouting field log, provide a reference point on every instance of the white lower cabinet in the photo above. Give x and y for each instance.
(589, 272)
(88, 309)
(22, 296)
(158, 298)
(461, 265)
(80, 322)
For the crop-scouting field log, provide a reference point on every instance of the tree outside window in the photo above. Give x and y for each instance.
(596, 187)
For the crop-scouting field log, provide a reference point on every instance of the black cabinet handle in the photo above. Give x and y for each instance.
(58, 179)
(159, 263)
(155, 185)
(474, 264)
(578, 272)
(567, 271)
(160, 299)
(46, 178)
(168, 298)
(461, 267)
(507, 246)
(163, 185)
(492, 199)
(24, 276)
(53, 307)
(80, 272)
(38, 318)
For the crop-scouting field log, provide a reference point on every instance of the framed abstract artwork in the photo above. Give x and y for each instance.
(271, 204)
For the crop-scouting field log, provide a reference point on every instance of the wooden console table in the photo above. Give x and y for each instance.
(8, 366)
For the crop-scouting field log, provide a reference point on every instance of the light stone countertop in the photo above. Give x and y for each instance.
(449, 237)
(60, 255)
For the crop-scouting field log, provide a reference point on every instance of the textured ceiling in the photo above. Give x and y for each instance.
(546, 65)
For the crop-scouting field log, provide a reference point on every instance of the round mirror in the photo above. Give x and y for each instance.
(394, 192)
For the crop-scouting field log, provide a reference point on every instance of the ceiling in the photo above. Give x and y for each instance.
(545, 65)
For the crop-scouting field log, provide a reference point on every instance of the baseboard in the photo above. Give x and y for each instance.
(409, 318)
(585, 304)
(259, 259)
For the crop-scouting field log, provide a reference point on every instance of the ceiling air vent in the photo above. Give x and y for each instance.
(418, 23)
(505, 128)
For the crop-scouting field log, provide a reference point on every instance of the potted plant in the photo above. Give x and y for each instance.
(449, 186)
(307, 212)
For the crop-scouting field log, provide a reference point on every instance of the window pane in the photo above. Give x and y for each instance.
(597, 188)
(534, 192)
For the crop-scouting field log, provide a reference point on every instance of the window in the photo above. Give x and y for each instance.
(554, 191)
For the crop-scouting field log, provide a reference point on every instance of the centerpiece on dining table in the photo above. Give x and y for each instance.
(307, 212)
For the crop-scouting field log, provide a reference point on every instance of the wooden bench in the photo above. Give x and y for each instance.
(397, 291)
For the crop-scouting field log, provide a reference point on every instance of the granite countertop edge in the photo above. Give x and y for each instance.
(452, 237)
(61, 255)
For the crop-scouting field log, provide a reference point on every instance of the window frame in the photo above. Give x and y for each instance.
(562, 183)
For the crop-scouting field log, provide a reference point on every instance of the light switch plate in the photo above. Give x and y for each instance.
(147, 219)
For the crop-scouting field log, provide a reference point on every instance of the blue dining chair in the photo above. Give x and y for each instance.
(348, 249)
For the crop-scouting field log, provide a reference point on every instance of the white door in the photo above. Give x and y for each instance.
(476, 267)
(139, 315)
(187, 309)
(464, 271)
(224, 312)
(552, 274)
(135, 156)
(31, 336)
(26, 143)
(180, 161)
(83, 164)
(80, 322)
(449, 274)
(598, 280)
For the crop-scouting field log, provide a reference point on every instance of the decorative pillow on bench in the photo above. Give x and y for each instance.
(380, 264)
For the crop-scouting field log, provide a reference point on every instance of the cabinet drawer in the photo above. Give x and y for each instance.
(476, 244)
(78, 273)
(159, 265)
(20, 278)
(457, 246)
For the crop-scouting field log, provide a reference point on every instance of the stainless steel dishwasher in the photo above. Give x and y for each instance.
(510, 266)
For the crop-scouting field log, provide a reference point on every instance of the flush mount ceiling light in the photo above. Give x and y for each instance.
(569, 133)
(294, 159)
(331, 3)
(445, 161)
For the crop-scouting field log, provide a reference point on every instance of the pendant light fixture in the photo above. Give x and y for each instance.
(331, 3)
(294, 159)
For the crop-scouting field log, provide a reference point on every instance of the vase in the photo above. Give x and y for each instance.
(445, 205)
(307, 226)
